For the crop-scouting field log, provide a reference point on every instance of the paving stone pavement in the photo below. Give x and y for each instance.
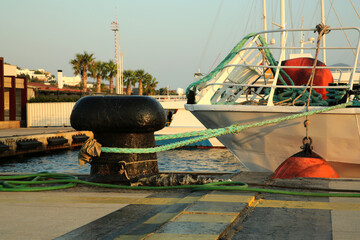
(96, 213)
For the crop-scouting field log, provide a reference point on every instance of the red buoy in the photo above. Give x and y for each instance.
(300, 76)
(305, 164)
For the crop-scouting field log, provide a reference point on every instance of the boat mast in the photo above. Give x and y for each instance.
(323, 37)
(265, 24)
(282, 53)
(282, 22)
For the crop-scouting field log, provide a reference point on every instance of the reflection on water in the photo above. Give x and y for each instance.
(183, 160)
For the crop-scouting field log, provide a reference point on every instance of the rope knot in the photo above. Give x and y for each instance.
(322, 29)
(91, 148)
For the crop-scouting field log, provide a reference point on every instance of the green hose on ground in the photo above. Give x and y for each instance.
(25, 183)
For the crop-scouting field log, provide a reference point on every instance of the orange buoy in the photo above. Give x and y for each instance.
(305, 164)
(300, 76)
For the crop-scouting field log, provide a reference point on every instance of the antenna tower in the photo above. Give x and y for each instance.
(118, 58)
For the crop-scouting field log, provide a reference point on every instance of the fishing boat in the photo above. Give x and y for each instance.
(258, 81)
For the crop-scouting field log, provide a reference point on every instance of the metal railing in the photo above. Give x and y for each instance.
(227, 84)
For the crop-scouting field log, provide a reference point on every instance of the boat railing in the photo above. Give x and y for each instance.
(306, 30)
(277, 86)
(337, 68)
(282, 67)
(229, 92)
(340, 69)
(169, 98)
(251, 68)
(232, 91)
(298, 48)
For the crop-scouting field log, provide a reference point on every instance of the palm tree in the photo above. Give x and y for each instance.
(111, 71)
(80, 65)
(140, 75)
(146, 82)
(97, 70)
(150, 84)
(153, 86)
(104, 74)
(129, 80)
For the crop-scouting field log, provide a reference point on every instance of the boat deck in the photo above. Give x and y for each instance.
(97, 213)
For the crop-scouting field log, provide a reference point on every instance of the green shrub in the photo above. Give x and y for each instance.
(52, 99)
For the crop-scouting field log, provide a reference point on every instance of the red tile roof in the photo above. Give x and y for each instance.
(52, 88)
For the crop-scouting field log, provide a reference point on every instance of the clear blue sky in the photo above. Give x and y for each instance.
(167, 38)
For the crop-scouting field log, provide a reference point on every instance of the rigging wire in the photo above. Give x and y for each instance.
(276, 10)
(292, 25)
(248, 19)
(210, 33)
(300, 13)
(255, 24)
(347, 38)
(314, 14)
(329, 12)
(214, 62)
(306, 35)
(354, 8)
(272, 18)
(236, 30)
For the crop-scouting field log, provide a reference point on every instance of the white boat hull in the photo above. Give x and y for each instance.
(335, 134)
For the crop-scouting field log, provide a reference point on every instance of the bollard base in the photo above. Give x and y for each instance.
(121, 171)
(121, 167)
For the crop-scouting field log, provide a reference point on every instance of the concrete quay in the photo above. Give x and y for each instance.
(87, 212)
(22, 141)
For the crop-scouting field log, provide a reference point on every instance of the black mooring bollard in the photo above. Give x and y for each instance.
(122, 122)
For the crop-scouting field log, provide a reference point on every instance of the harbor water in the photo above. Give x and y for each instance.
(179, 160)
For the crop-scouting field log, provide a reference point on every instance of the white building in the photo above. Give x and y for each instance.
(42, 77)
(180, 91)
(70, 81)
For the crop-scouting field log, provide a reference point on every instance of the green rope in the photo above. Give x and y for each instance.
(185, 135)
(211, 133)
(274, 63)
(24, 183)
(223, 63)
(290, 94)
(335, 95)
(232, 54)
